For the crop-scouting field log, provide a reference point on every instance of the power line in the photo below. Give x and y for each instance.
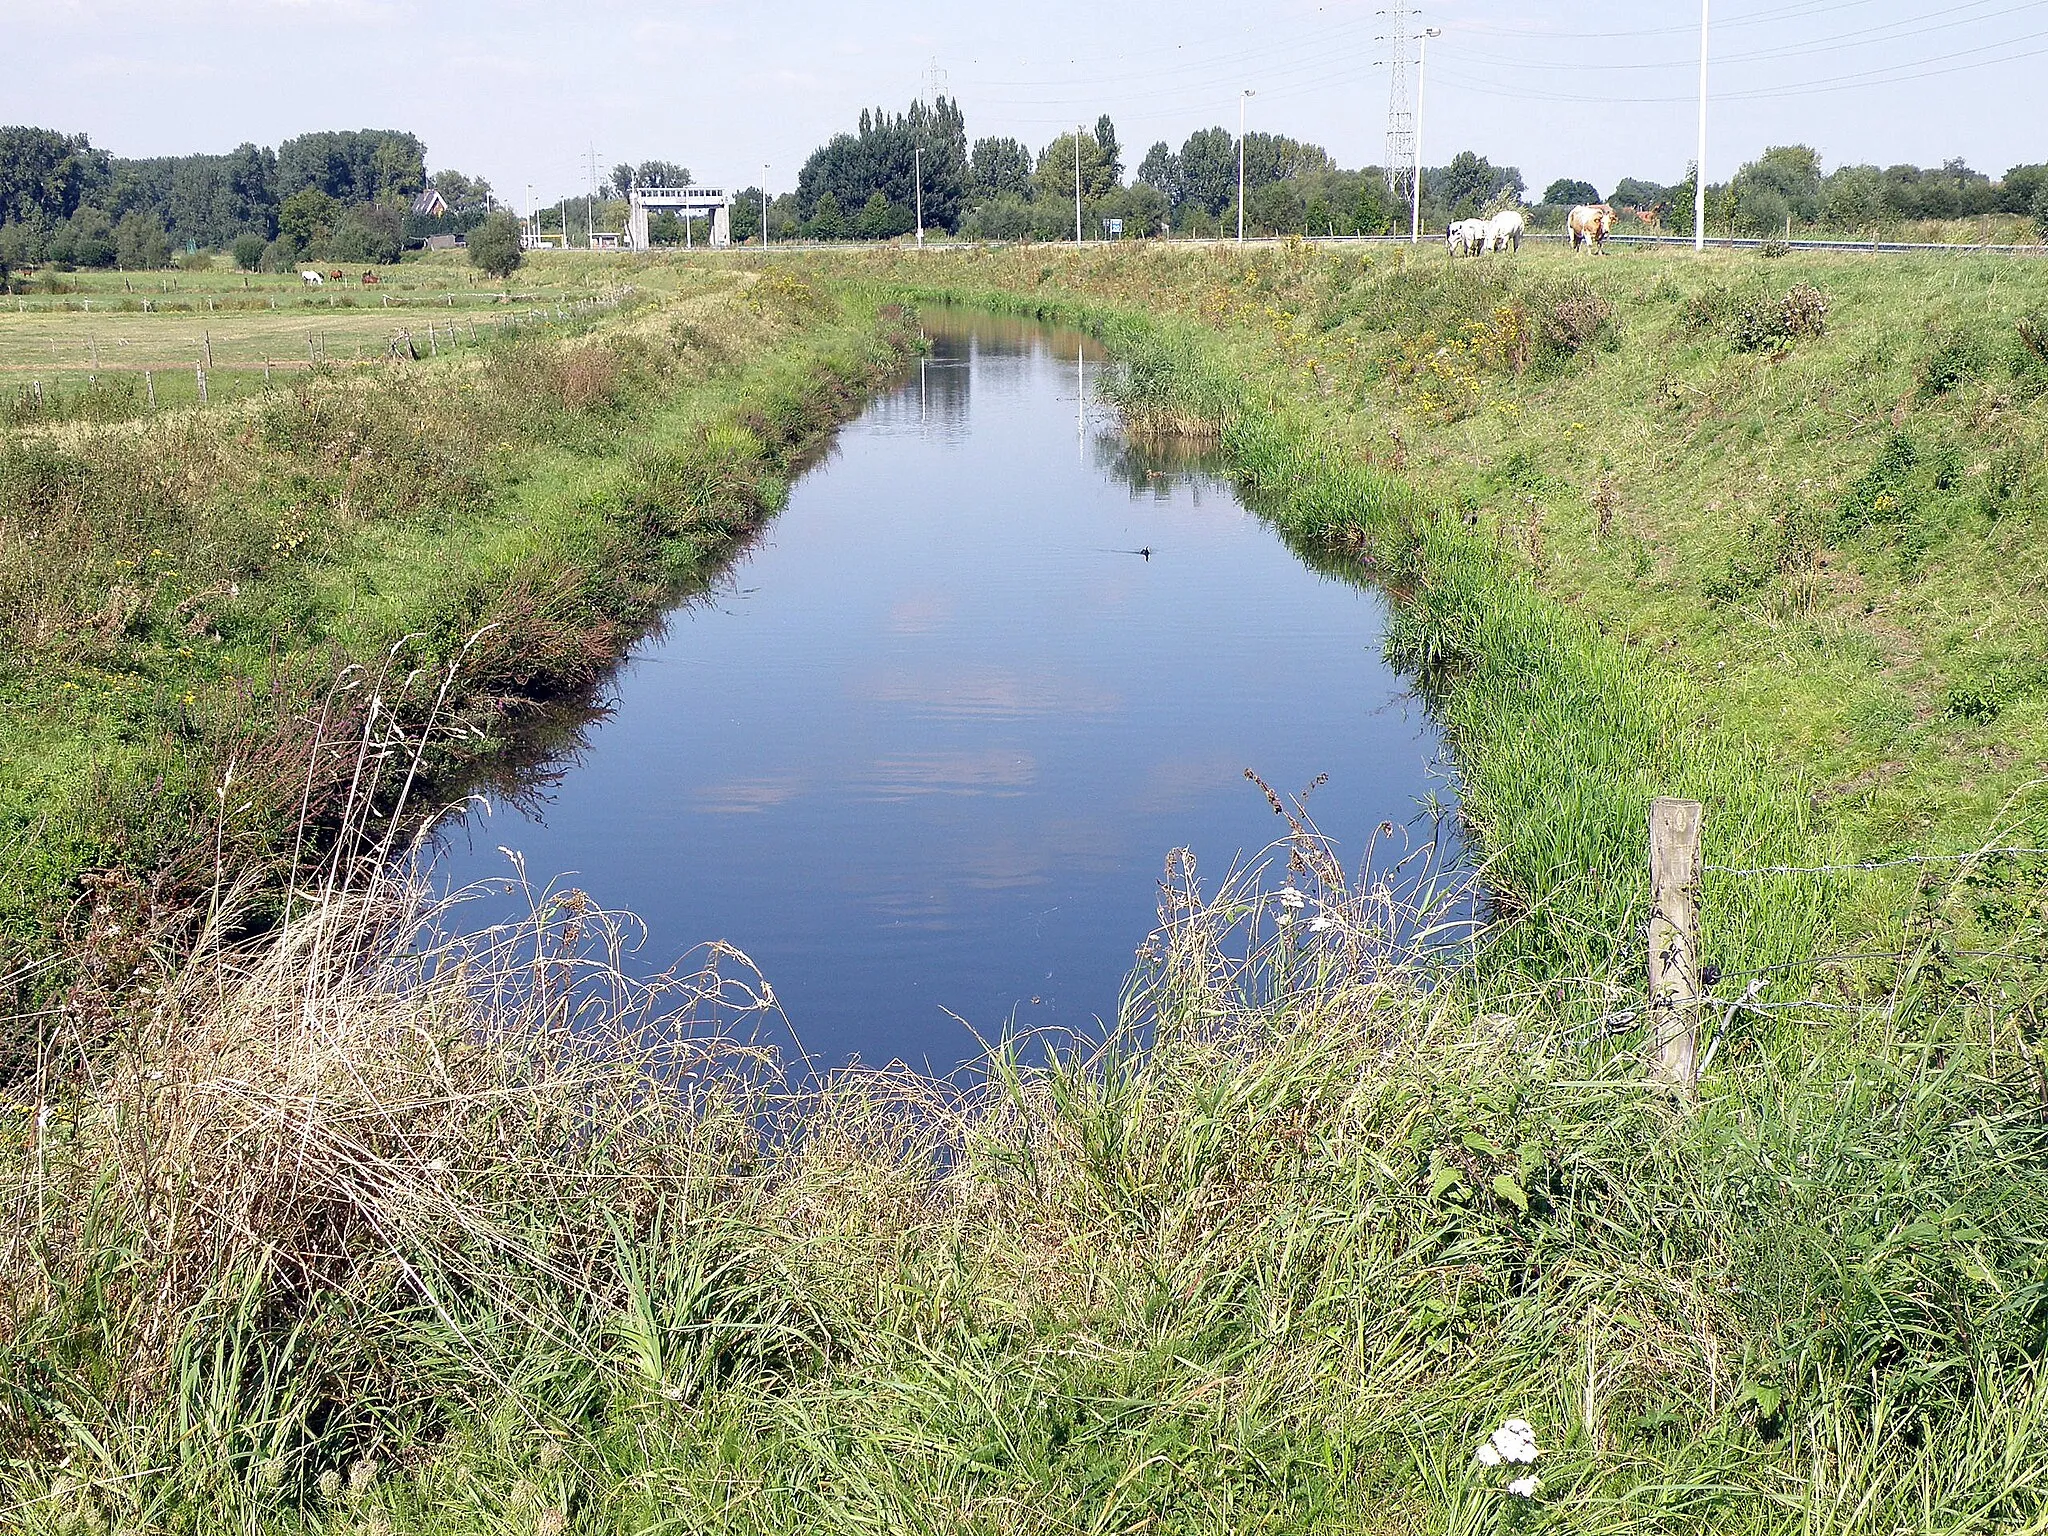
(1787, 51)
(1898, 74)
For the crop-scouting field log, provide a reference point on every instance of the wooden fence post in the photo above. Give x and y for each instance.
(149, 383)
(201, 374)
(1675, 940)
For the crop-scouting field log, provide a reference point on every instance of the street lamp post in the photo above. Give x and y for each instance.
(1077, 182)
(917, 180)
(1699, 171)
(1242, 97)
(1415, 188)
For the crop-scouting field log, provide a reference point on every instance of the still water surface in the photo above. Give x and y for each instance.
(924, 749)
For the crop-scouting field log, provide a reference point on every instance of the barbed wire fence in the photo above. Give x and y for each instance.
(1684, 993)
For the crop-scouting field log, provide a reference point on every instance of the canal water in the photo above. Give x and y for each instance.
(922, 752)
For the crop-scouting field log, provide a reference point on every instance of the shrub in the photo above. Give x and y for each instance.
(1771, 250)
(494, 246)
(2030, 350)
(1754, 319)
(1574, 319)
(1970, 702)
(1803, 312)
(248, 251)
(1764, 323)
(1881, 493)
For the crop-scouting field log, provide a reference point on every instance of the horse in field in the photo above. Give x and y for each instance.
(1504, 230)
(1590, 224)
(1466, 237)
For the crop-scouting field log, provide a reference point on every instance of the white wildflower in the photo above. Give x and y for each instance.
(1526, 1487)
(1322, 922)
(1293, 899)
(1514, 1442)
(1284, 920)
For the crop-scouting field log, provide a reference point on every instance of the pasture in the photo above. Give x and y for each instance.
(95, 334)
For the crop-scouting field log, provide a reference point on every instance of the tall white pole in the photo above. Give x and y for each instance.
(1077, 182)
(917, 178)
(764, 205)
(1242, 96)
(1699, 175)
(1415, 188)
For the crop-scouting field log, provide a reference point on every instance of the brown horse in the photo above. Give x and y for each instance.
(1589, 224)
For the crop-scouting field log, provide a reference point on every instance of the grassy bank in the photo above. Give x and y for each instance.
(365, 1233)
(179, 593)
(1760, 531)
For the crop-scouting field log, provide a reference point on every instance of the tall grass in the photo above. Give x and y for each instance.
(362, 1228)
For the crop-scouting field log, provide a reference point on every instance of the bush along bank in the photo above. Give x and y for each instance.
(203, 613)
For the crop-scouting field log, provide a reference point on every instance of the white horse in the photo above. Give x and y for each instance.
(1467, 237)
(1504, 230)
(312, 279)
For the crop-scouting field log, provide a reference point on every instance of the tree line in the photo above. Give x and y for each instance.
(1786, 188)
(864, 184)
(340, 196)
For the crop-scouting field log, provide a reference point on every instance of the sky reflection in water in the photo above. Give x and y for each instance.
(927, 745)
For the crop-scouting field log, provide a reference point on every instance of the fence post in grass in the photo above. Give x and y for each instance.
(206, 340)
(200, 373)
(149, 384)
(1675, 940)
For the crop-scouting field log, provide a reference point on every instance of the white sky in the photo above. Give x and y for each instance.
(520, 91)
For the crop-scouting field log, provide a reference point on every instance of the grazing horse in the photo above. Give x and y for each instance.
(1649, 218)
(1589, 224)
(312, 279)
(1504, 230)
(371, 279)
(1467, 237)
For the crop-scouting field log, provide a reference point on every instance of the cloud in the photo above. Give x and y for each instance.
(922, 614)
(747, 797)
(992, 772)
(990, 695)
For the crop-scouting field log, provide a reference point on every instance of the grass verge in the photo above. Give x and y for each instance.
(178, 594)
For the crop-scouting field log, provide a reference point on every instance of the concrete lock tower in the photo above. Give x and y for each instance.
(688, 202)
